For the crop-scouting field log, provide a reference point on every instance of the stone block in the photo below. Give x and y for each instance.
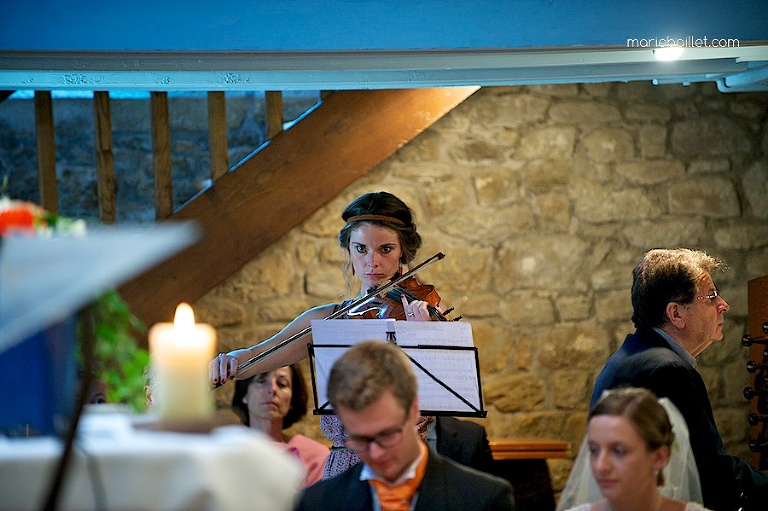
(572, 112)
(653, 141)
(573, 308)
(651, 172)
(712, 135)
(514, 392)
(552, 212)
(549, 143)
(521, 308)
(709, 197)
(543, 175)
(580, 346)
(571, 389)
(609, 144)
(551, 261)
(594, 203)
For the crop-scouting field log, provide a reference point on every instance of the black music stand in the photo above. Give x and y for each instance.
(449, 375)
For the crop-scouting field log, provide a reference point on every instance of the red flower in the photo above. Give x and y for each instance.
(17, 220)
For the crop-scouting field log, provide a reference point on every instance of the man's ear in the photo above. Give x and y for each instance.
(674, 313)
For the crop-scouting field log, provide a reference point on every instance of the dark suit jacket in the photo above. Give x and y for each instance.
(464, 442)
(447, 486)
(646, 360)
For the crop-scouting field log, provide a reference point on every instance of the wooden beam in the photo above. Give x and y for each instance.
(161, 154)
(299, 171)
(105, 165)
(46, 151)
(217, 134)
(275, 116)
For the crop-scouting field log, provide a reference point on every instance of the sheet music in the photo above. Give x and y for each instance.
(433, 333)
(445, 360)
(457, 369)
(350, 331)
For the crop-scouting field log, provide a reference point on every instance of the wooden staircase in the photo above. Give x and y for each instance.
(252, 205)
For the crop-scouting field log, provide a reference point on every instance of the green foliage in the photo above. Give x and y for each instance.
(119, 362)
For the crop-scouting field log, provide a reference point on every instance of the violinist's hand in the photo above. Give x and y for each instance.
(222, 368)
(415, 310)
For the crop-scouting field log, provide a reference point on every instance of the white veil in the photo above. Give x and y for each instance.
(681, 477)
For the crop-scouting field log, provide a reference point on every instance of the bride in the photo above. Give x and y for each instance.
(639, 458)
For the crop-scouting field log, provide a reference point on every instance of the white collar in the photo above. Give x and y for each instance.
(366, 473)
(676, 347)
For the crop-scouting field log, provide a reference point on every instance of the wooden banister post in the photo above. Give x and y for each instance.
(105, 166)
(217, 134)
(46, 151)
(275, 117)
(161, 154)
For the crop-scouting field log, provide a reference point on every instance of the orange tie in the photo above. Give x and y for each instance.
(398, 497)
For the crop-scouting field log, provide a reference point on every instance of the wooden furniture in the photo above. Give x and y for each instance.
(523, 462)
(757, 310)
(529, 449)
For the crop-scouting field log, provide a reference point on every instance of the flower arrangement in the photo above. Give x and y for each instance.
(28, 219)
(119, 363)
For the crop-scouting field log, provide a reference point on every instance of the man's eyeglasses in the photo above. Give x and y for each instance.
(385, 440)
(711, 297)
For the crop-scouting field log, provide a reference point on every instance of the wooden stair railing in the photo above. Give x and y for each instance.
(292, 176)
(252, 205)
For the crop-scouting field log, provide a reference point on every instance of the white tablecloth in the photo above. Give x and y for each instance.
(119, 468)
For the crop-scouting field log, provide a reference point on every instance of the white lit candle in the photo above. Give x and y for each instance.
(180, 353)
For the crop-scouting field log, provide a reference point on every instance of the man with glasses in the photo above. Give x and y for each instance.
(678, 313)
(373, 389)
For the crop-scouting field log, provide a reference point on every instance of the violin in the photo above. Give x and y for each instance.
(389, 293)
(390, 306)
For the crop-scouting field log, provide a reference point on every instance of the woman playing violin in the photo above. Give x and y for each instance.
(379, 238)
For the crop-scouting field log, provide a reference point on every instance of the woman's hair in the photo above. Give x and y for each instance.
(366, 370)
(642, 408)
(299, 397)
(382, 208)
(667, 275)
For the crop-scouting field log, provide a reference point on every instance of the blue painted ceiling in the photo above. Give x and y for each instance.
(352, 44)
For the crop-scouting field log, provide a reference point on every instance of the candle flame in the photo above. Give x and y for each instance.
(184, 317)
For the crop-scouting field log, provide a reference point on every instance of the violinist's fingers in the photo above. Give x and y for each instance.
(420, 311)
(213, 370)
(416, 310)
(409, 315)
(222, 368)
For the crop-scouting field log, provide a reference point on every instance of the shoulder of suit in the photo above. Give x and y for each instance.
(452, 469)
(454, 423)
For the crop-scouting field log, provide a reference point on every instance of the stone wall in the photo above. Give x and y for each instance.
(542, 198)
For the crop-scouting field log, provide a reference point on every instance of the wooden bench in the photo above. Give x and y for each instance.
(523, 462)
(529, 449)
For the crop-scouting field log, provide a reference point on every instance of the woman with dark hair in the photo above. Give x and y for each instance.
(379, 238)
(274, 401)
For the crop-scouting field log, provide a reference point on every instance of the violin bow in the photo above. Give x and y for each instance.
(379, 291)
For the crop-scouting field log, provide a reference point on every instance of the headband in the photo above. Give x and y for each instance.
(381, 218)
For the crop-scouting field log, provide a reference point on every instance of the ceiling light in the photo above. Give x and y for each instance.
(668, 52)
